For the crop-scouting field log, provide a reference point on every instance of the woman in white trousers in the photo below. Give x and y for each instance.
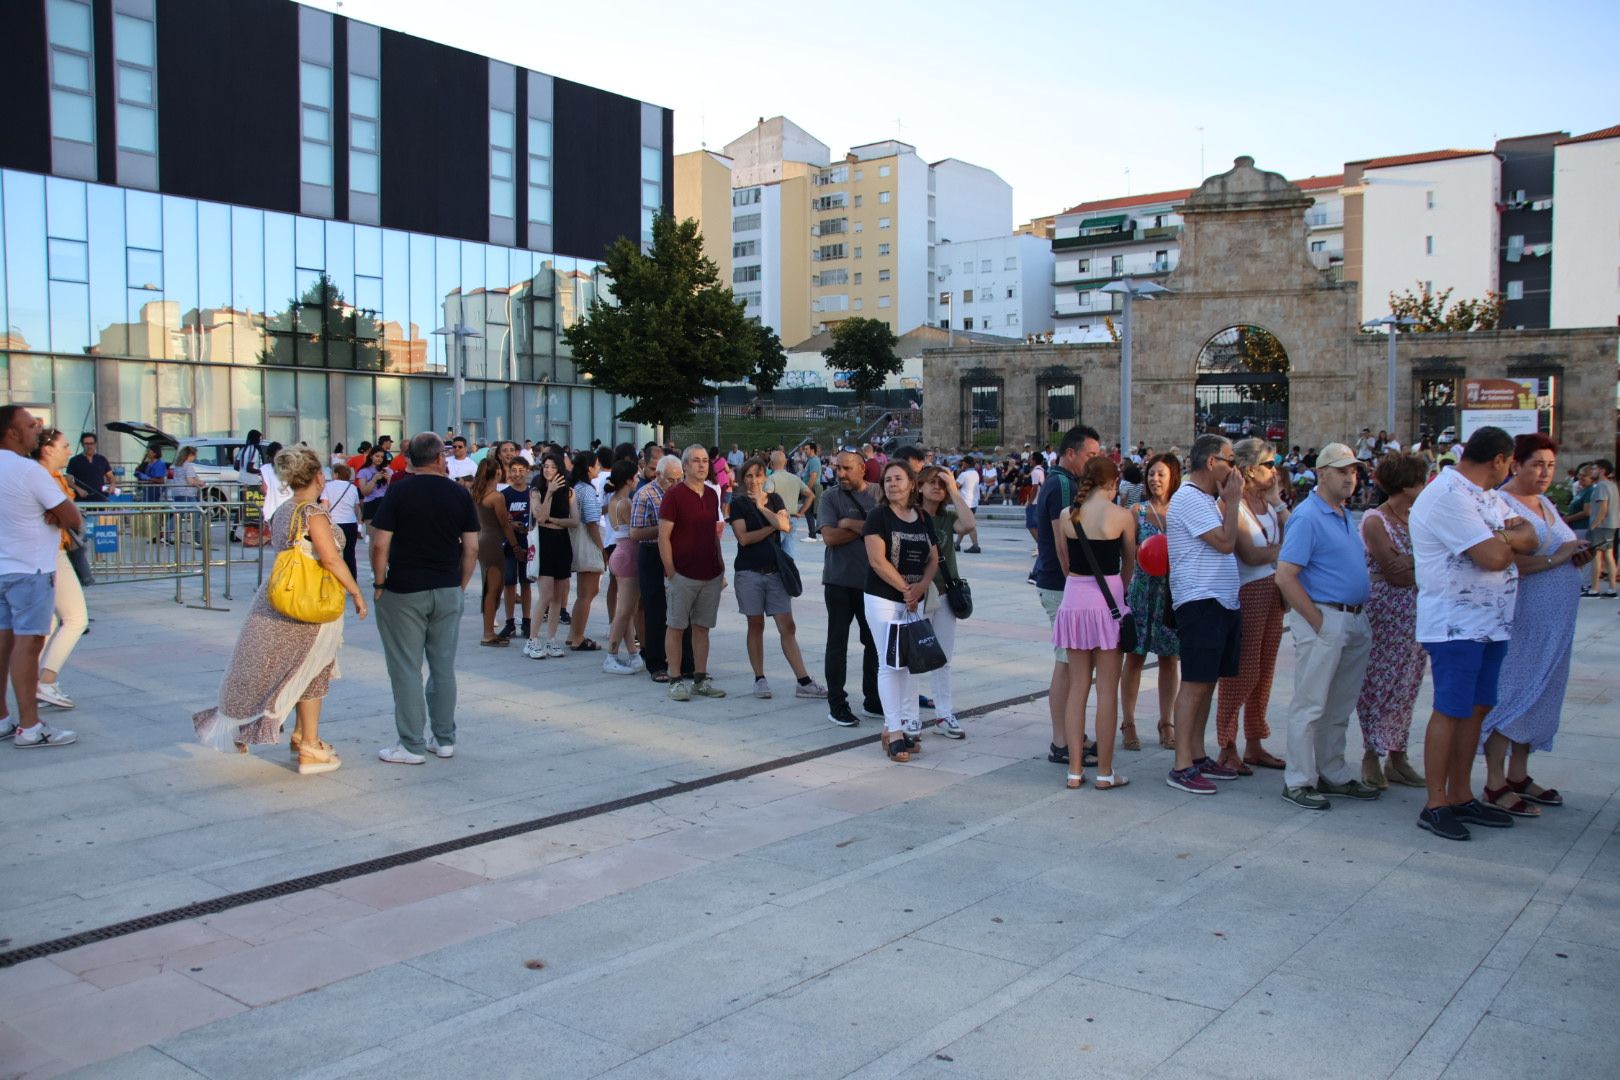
(902, 559)
(951, 516)
(72, 617)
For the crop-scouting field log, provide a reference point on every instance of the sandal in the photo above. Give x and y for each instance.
(1131, 740)
(1265, 760)
(495, 642)
(1230, 759)
(1109, 782)
(585, 645)
(897, 749)
(660, 677)
(322, 759)
(1076, 779)
(1546, 796)
(1518, 807)
(1167, 735)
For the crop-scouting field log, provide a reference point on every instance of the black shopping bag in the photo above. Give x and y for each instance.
(920, 650)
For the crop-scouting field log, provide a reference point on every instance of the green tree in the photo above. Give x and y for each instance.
(1432, 314)
(865, 349)
(674, 332)
(771, 364)
(322, 329)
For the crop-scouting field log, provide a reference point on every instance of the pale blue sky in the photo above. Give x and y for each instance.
(1062, 98)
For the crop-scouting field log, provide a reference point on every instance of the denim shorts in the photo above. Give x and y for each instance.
(27, 602)
(1465, 675)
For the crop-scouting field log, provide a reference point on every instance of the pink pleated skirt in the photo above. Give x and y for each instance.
(1083, 620)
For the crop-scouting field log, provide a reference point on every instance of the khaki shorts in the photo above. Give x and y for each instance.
(1051, 600)
(690, 602)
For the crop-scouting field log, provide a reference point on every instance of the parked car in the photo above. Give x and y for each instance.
(216, 458)
(1233, 425)
(1276, 431)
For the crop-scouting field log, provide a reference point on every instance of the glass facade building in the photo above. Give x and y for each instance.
(367, 189)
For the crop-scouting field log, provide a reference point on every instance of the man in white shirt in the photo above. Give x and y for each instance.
(968, 481)
(33, 511)
(462, 468)
(736, 458)
(1464, 537)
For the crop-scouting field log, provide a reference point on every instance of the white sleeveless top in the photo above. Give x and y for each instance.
(1263, 531)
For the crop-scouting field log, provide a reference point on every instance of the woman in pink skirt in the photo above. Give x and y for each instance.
(1085, 625)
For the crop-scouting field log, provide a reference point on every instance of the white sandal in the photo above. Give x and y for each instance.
(1076, 779)
(1108, 782)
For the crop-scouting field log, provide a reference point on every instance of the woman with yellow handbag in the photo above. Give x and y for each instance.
(287, 653)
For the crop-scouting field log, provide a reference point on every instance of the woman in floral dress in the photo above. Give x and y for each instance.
(1396, 664)
(1146, 596)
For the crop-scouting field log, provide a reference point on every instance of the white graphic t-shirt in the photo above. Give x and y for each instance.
(1458, 600)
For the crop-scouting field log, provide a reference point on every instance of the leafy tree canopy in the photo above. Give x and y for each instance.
(1432, 314)
(673, 332)
(865, 349)
(771, 363)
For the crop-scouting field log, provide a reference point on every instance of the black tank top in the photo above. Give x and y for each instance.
(1107, 553)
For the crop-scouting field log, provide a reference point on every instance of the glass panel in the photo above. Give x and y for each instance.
(247, 401)
(442, 389)
(363, 96)
(359, 414)
(340, 258)
(174, 386)
(580, 408)
(362, 134)
(25, 262)
(367, 296)
(368, 250)
(602, 417)
(652, 163)
(447, 297)
(651, 193)
(64, 209)
(418, 406)
(137, 400)
(540, 205)
(137, 128)
(317, 124)
(146, 269)
(70, 70)
(212, 412)
(280, 292)
(501, 198)
(540, 137)
(75, 394)
(179, 279)
(72, 116)
(135, 86)
(311, 243)
(424, 316)
(70, 24)
(212, 332)
(396, 305)
(280, 392)
(317, 164)
(107, 276)
(315, 84)
(364, 173)
(497, 419)
(314, 418)
(500, 164)
(502, 128)
(133, 40)
(70, 316)
(143, 219)
(281, 429)
(247, 282)
(540, 171)
(69, 260)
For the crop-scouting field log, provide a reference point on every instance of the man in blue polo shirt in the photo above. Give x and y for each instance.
(1079, 446)
(1322, 573)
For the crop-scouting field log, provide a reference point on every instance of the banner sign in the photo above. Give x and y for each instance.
(1509, 404)
(106, 538)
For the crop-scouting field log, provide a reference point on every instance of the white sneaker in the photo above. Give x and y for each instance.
(8, 727)
(434, 746)
(913, 728)
(613, 665)
(554, 648)
(950, 728)
(637, 663)
(534, 649)
(42, 734)
(812, 689)
(53, 694)
(762, 689)
(398, 755)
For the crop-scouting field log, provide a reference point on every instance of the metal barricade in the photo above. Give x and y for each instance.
(151, 541)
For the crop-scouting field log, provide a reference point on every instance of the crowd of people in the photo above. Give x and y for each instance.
(1459, 564)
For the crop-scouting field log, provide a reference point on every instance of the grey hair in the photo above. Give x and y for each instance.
(1252, 452)
(1205, 447)
(424, 449)
(669, 465)
(686, 455)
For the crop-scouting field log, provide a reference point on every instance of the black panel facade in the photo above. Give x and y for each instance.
(340, 118)
(1527, 166)
(596, 169)
(435, 138)
(106, 102)
(669, 161)
(25, 89)
(228, 101)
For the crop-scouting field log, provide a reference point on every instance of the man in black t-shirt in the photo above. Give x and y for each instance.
(91, 472)
(424, 548)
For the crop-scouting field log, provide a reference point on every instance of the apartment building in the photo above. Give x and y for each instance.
(1139, 236)
(1000, 285)
(1586, 230)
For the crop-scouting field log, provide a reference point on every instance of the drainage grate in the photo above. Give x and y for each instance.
(444, 847)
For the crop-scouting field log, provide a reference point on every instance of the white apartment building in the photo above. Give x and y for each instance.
(1586, 230)
(1139, 236)
(1427, 221)
(1000, 285)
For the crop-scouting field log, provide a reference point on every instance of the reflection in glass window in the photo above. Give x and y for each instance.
(502, 144)
(72, 48)
(315, 91)
(136, 74)
(145, 269)
(134, 41)
(69, 260)
(365, 164)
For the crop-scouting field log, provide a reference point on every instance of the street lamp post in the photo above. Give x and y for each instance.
(1392, 322)
(1127, 288)
(461, 332)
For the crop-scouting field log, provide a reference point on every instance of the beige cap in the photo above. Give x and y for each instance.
(1335, 455)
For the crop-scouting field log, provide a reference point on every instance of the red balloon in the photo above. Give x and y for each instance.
(1154, 556)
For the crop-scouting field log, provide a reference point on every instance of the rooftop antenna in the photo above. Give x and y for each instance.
(1127, 179)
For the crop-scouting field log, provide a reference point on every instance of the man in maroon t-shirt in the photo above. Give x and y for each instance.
(689, 545)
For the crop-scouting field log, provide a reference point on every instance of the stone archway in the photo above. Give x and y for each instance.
(1241, 385)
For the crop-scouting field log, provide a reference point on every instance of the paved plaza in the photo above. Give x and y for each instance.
(959, 916)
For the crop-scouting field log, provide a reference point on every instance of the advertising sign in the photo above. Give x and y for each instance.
(1509, 404)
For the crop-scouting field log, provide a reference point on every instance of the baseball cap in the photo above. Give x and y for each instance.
(1335, 455)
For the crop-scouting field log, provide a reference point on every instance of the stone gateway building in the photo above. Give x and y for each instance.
(1252, 338)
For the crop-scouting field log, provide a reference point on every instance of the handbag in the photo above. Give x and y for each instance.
(920, 650)
(959, 598)
(587, 556)
(300, 587)
(787, 568)
(1125, 620)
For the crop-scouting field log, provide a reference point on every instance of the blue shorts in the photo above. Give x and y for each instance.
(27, 602)
(1465, 675)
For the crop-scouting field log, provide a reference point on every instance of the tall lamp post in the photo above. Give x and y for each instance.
(461, 332)
(1392, 322)
(1128, 288)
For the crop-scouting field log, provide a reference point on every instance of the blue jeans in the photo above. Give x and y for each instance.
(26, 603)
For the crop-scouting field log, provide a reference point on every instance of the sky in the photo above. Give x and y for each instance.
(1073, 101)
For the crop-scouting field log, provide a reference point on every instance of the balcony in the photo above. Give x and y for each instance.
(1321, 219)
(1118, 236)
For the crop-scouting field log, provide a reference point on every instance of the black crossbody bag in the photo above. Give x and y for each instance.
(1125, 620)
(786, 568)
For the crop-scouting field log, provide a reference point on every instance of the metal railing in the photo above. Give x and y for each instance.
(129, 541)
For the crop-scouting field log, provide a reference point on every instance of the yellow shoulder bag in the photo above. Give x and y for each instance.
(300, 587)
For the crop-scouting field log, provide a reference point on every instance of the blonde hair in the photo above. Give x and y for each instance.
(1247, 453)
(297, 467)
